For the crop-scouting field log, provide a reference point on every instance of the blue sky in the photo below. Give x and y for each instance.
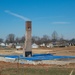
(46, 16)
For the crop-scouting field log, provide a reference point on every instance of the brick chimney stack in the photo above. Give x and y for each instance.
(27, 51)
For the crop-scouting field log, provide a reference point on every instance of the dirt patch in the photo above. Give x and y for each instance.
(66, 51)
(4, 65)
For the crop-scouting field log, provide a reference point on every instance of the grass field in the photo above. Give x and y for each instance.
(38, 71)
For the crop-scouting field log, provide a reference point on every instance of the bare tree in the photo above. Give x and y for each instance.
(54, 36)
(45, 39)
(22, 40)
(72, 40)
(36, 39)
(10, 38)
(1, 40)
(17, 40)
(33, 39)
(61, 40)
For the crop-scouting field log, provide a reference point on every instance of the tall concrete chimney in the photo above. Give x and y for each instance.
(27, 51)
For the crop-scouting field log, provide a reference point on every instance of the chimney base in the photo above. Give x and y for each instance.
(28, 54)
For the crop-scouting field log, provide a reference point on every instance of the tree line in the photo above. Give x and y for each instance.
(36, 39)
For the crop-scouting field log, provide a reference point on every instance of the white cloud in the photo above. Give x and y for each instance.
(47, 17)
(17, 15)
(60, 22)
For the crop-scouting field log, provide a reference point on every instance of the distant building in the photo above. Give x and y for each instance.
(35, 46)
(2, 44)
(7, 45)
(42, 45)
(19, 47)
(50, 45)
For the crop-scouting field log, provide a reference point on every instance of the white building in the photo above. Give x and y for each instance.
(18, 47)
(42, 45)
(2, 44)
(50, 45)
(35, 46)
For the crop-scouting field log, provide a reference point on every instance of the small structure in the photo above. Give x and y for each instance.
(42, 45)
(35, 46)
(2, 44)
(50, 45)
(18, 47)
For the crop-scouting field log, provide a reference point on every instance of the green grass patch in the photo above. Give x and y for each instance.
(37, 71)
